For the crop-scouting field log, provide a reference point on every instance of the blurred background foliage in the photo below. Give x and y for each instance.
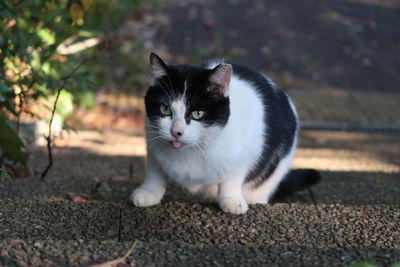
(42, 41)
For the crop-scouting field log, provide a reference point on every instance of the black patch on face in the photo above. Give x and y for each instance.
(171, 87)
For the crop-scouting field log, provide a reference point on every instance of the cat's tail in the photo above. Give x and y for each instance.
(297, 180)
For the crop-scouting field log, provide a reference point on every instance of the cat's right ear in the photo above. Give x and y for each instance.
(158, 68)
(220, 79)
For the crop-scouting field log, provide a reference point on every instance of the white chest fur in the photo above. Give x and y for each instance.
(188, 166)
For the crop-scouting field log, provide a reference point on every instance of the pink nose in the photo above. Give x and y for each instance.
(176, 134)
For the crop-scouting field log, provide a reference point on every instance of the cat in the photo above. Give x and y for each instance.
(222, 130)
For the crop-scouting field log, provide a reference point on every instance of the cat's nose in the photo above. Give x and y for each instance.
(176, 134)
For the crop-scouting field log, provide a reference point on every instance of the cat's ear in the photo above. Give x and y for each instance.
(220, 79)
(158, 68)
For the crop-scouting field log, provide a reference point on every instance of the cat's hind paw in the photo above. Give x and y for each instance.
(143, 198)
(235, 205)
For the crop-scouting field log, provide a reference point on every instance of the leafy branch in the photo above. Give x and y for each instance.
(39, 42)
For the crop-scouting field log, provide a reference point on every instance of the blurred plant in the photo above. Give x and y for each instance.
(6, 174)
(41, 42)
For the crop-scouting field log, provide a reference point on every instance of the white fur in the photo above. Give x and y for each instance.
(214, 160)
(153, 187)
(262, 194)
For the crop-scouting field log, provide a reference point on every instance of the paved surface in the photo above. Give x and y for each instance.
(355, 217)
(82, 253)
(301, 44)
(349, 106)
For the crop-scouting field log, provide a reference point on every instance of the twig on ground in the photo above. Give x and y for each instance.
(115, 263)
(64, 83)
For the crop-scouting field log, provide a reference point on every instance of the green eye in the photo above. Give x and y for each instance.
(165, 110)
(197, 114)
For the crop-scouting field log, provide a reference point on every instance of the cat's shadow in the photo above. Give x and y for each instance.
(177, 194)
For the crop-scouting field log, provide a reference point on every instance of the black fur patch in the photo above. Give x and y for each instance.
(280, 121)
(171, 87)
(297, 180)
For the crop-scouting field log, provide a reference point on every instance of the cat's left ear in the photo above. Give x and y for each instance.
(220, 80)
(158, 68)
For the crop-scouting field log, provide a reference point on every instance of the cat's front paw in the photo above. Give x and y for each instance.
(235, 205)
(143, 198)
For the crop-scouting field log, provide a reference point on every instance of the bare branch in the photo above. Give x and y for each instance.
(22, 99)
(65, 49)
(64, 83)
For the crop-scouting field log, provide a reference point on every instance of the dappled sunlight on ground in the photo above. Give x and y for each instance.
(347, 106)
(333, 151)
(342, 160)
(109, 142)
(341, 151)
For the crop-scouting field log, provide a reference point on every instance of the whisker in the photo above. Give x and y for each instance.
(171, 86)
(152, 126)
(152, 129)
(151, 143)
(203, 144)
(167, 90)
(154, 137)
(201, 150)
(151, 137)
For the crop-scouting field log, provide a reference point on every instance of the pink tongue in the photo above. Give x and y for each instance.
(176, 144)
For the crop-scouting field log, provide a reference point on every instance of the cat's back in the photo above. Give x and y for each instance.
(277, 106)
(248, 84)
(279, 119)
(260, 83)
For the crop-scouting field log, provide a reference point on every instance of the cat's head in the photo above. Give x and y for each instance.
(186, 106)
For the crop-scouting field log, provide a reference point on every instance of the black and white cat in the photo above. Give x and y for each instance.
(222, 130)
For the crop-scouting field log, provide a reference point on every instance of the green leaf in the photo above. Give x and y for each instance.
(7, 104)
(76, 11)
(65, 104)
(87, 34)
(363, 264)
(87, 3)
(6, 174)
(10, 142)
(5, 95)
(5, 91)
(47, 36)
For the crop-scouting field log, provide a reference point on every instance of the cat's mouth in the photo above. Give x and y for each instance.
(176, 144)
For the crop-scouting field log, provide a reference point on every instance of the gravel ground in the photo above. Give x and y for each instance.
(83, 253)
(277, 224)
(79, 214)
(178, 233)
